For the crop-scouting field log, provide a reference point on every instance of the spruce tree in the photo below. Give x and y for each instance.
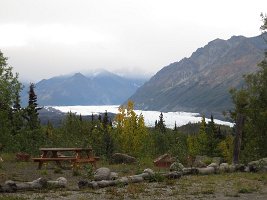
(250, 114)
(108, 140)
(161, 124)
(32, 109)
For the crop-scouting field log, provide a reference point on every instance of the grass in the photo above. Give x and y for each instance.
(4, 197)
(205, 187)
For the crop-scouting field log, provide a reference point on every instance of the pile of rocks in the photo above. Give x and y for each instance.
(217, 167)
(104, 178)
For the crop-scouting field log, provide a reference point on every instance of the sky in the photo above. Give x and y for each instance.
(46, 38)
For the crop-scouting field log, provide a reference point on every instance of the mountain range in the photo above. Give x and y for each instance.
(98, 88)
(201, 82)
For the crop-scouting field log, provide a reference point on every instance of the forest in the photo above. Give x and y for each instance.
(21, 131)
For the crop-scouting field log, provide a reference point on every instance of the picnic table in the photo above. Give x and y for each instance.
(58, 155)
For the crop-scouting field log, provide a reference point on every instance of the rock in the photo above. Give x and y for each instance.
(173, 175)
(93, 185)
(83, 184)
(224, 167)
(40, 183)
(215, 166)
(202, 161)
(232, 168)
(149, 171)
(36, 184)
(240, 167)
(189, 171)
(135, 179)
(246, 169)
(258, 165)
(119, 158)
(9, 187)
(122, 181)
(106, 183)
(113, 176)
(164, 161)
(176, 166)
(60, 182)
(102, 173)
(206, 170)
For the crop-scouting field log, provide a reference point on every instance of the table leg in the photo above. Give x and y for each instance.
(40, 164)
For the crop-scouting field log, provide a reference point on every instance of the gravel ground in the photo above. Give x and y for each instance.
(218, 186)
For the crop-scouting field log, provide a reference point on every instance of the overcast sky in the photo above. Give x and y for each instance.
(45, 38)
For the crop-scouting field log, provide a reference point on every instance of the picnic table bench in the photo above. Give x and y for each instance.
(57, 155)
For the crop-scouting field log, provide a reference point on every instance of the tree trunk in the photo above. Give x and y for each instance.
(240, 122)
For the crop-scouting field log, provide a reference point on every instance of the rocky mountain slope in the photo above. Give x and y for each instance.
(102, 88)
(201, 82)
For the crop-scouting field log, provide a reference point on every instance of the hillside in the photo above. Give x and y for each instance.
(102, 88)
(201, 82)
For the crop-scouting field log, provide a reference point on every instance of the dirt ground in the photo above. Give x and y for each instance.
(217, 186)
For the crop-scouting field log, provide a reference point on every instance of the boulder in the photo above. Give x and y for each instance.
(113, 175)
(102, 173)
(173, 175)
(59, 182)
(36, 184)
(83, 184)
(119, 158)
(189, 171)
(215, 166)
(9, 186)
(135, 179)
(40, 183)
(176, 166)
(164, 161)
(149, 171)
(258, 165)
(224, 167)
(239, 167)
(122, 181)
(206, 170)
(106, 183)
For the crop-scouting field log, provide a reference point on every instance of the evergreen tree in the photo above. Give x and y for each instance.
(175, 126)
(17, 115)
(99, 117)
(198, 144)
(202, 138)
(250, 113)
(160, 138)
(108, 140)
(161, 124)
(32, 110)
(212, 138)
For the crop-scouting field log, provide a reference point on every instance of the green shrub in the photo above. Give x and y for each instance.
(157, 177)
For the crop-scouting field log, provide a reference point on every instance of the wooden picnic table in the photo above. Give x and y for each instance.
(58, 155)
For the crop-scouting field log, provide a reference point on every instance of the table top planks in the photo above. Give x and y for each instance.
(66, 149)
